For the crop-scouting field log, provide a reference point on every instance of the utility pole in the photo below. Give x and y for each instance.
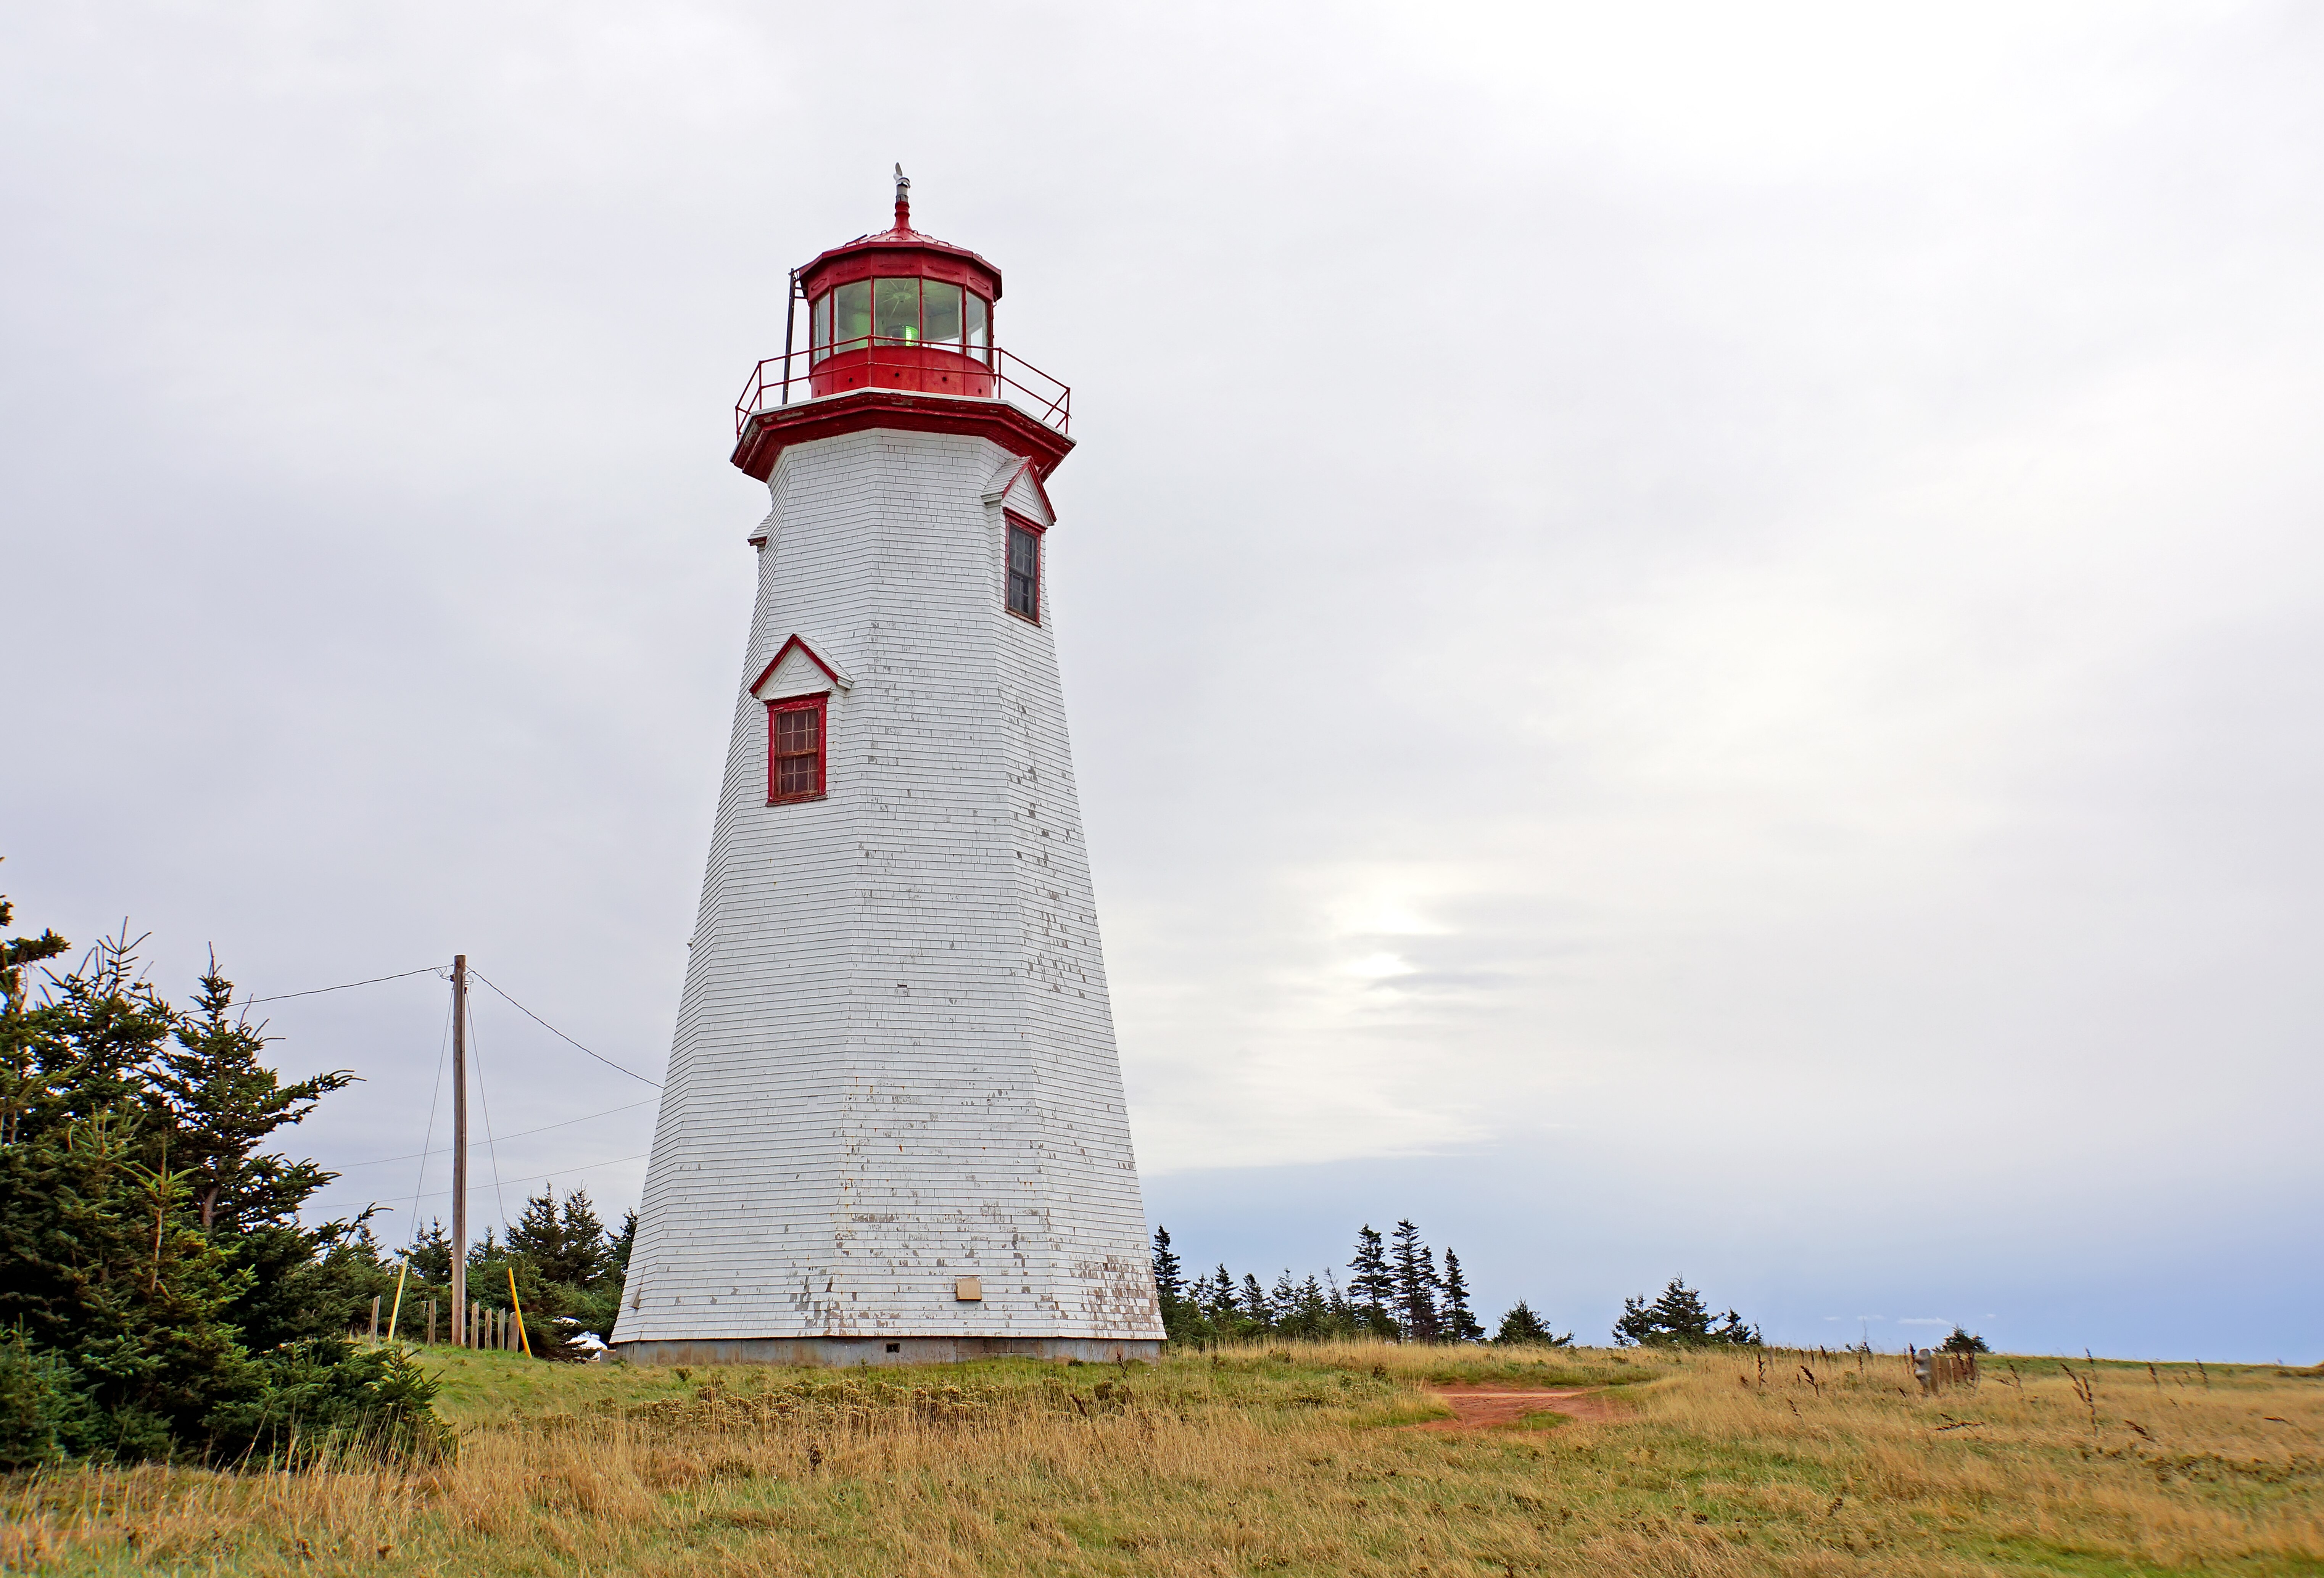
(459, 1146)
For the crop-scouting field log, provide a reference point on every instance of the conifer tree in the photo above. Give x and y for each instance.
(1679, 1318)
(160, 1296)
(622, 1243)
(1417, 1285)
(1255, 1306)
(1170, 1279)
(222, 1103)
(1460, 1323)
(430, 1255)
(1372, 1288)
(567, 1243)
(1220, 1297)
(1522, 1325)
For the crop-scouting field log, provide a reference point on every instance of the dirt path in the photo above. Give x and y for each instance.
(1481, 1407)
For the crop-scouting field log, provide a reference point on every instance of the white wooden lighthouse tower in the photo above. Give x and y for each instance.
(893, 1129)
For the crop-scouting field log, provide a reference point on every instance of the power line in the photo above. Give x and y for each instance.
(435, 1094)
(490, 1148)
(537, 1177)
(318, 991)
(520, 1134)
(559, 1034)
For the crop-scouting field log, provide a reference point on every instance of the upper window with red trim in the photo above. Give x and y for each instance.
(1024, 570)
(795, 749)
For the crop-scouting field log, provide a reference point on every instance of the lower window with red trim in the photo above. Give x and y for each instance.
(795, 749)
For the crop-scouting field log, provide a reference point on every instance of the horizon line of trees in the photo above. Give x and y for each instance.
(1395, 1290)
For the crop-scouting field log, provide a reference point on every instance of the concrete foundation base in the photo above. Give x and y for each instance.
(851, 1352)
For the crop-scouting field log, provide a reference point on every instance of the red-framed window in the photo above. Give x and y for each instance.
(1024, 568)
(796, 741)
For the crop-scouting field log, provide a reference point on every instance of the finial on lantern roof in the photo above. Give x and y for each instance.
(903, 199)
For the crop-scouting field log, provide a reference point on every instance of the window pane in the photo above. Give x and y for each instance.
(939, 313)
(796, 776)
(1024, 572)
(820, 330)
(896, 308)
(980, 326)
(851, 314)
(794, 731)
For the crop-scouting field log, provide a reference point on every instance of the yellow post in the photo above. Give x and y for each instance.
(398, 1311)
(523, 1340)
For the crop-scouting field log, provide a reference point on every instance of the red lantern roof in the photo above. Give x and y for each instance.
(900, 250)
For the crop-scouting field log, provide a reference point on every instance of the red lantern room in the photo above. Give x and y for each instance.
(899, 335)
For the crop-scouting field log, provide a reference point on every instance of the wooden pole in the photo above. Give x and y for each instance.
(460, 1136)
(374, 1318)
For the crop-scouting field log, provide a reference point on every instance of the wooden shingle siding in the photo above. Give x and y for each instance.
(894, 1064)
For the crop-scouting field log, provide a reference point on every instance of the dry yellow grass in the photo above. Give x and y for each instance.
(1248, 1462)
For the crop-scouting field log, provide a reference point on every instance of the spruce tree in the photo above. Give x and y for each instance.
(430, 1255)
(1220, 1297)
(1255, 1306)
(622, 1243)
(1417, 1285)
(566, 1243)
(222, 1103)
(160, 1296)
(1681, 1319)
(1372, 1288)
(1460, 1323)
(1522, 1325)
(1169, 1278)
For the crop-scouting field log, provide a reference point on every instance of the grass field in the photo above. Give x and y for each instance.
(1293, 1462)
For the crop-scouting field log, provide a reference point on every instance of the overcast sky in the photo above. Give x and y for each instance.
(1693, 634)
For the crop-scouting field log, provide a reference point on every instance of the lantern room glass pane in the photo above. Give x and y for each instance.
(980, 326)
(940, 312)
(896, 311)
(850, 317)
(819, 326)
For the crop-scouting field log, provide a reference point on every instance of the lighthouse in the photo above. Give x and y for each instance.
(893, 1129)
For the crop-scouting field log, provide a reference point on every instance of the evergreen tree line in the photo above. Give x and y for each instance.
(1394, 1290)
(158, 1295)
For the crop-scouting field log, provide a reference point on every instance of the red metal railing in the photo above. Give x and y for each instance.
(923, 369)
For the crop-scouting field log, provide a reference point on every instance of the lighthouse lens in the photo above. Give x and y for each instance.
(940, 312)
(896, 307)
